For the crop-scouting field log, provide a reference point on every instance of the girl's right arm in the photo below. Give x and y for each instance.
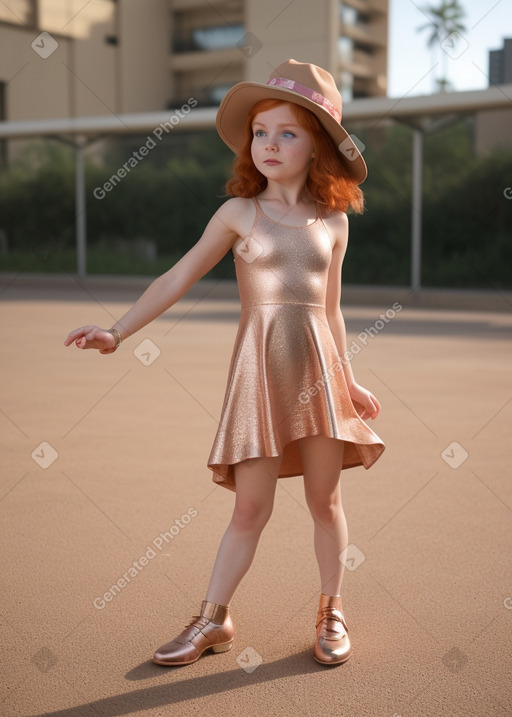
(167, 289)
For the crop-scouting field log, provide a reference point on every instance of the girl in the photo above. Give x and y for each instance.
(292, 406)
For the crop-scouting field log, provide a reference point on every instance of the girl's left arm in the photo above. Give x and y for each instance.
(365, 402)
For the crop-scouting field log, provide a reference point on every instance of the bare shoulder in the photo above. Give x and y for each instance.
(337, 225)
(238, 214)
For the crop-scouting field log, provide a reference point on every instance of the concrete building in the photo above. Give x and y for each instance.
(500, 64)
(216, 44)
(69, 59)
(493, 129)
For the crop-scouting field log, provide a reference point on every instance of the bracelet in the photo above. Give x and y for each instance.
(117, 337)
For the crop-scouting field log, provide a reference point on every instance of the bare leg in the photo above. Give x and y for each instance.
(256, 481)
(322, 460)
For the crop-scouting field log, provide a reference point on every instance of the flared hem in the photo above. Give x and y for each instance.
(354, 456)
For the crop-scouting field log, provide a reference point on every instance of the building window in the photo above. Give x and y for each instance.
(207, 96)
(351, 16)
(216, 94)
(363, 47)
(347, 15)
(345, 48)
(218, 38)
(201, 39)
(346, 87)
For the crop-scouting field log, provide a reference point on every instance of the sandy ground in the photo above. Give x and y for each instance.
(104, 474)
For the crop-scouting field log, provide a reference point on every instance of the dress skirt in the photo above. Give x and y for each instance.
(286, 382)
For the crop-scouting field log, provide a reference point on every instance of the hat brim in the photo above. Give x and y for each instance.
(238, 101)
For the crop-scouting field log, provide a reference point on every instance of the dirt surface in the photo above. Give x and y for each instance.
(104, 475)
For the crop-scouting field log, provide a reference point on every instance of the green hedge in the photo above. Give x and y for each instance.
(168, 198)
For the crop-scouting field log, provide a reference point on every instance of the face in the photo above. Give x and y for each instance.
(281, 149)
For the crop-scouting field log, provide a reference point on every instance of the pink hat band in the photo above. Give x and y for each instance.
(307, 92)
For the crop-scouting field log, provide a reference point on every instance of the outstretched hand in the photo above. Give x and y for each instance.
(92, 337)
(364, 402)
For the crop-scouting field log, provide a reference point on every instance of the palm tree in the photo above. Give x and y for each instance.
(445, 19)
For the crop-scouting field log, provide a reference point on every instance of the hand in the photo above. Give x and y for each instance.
(364, 402)
(92, 337)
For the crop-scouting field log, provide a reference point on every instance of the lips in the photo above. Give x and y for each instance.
(271, 162)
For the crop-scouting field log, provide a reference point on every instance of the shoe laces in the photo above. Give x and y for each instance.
(198, 621)
(332, 613)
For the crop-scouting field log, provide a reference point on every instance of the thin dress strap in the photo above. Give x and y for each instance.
(257, 205)
(319, 214)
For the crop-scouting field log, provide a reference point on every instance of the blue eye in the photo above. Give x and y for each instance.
(289, 134)
(259, 133)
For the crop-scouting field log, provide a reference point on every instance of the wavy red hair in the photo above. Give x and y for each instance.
(327, 181)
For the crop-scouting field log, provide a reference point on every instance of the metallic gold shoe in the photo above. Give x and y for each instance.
(332, 642)
(211, 630)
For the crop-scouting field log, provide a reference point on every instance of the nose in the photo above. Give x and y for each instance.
(271, 144)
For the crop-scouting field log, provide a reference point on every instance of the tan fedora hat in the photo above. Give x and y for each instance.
(299, 82)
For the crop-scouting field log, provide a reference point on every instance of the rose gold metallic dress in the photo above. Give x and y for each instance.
(286, 378)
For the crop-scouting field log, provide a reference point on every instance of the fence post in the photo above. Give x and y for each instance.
(80, 208)
(417, 189)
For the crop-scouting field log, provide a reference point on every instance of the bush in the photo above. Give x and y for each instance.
(169, 197)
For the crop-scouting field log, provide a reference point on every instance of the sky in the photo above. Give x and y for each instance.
(411, 63)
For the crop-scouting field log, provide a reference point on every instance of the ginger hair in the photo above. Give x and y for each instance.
(328, 181)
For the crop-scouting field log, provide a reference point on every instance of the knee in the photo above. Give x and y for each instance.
(250, 516)
(325, 511)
